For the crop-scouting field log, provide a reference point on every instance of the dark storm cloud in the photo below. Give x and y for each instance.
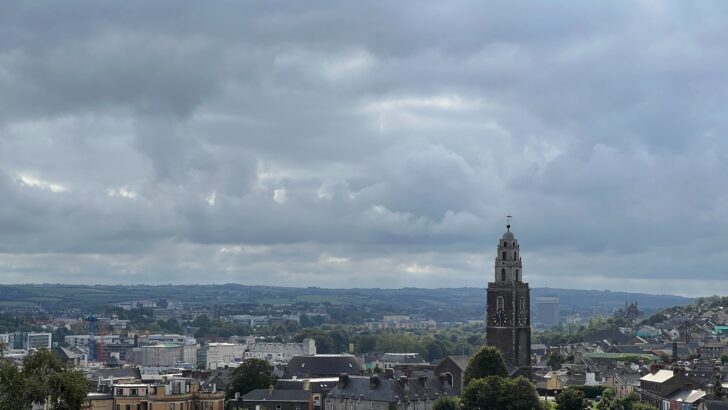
(360, 144)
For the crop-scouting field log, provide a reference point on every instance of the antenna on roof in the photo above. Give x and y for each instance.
(508, 219)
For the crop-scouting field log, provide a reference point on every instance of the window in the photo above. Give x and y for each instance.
(515, 256)
(278, 407)
(516, 274)
(499, 303)
(504, 255)
(503, 275)
(523, 304)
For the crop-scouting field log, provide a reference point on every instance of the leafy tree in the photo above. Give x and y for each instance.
(446, 403)
(571, 399)
(632, 402)
(43, 379)
(488, 361)
(724, 358)
(201, 321)
(500, 393)
(608, 400)
(554, 361)
(250, 375)
(521, 394)
(485, 394)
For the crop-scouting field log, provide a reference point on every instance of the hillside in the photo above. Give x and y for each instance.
(444, 303)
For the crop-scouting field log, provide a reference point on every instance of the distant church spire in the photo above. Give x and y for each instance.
(508, 261)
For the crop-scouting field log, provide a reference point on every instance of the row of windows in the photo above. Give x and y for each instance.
(500, 303)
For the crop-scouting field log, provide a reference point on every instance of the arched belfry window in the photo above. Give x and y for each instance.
(503, 275)
(517, 275)
(499, 304)
(515, 256)
(504, 255)
(523, 304)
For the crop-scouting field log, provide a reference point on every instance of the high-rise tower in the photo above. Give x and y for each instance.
(508, 315)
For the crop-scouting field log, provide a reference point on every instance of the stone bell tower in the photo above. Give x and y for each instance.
(508, 311)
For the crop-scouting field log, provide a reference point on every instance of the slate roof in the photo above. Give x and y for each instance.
(611, 335)
(716, 405)
(277, 395)
(626, 349)
(377, 388)
(322, 366)
(410, 358)
(461, 361)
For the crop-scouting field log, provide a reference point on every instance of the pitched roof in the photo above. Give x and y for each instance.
(402, 358)
(376, 388)
(460, 361)
(660, 376)
(686, 396)
(322, 365)
(277, 395)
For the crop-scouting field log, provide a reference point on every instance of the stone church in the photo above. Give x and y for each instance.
(508, 311)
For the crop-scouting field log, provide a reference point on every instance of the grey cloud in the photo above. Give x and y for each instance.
(359, 143)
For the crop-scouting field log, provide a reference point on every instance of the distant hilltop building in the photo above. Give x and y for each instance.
(548, 310)
(508, 317)
(401, 322)
(630, 311)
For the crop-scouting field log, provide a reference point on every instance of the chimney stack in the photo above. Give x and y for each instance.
(343, 380)
(373, 382)
(404, 381)
(389, 373)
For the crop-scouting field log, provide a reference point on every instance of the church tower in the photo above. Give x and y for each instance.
(508, 311)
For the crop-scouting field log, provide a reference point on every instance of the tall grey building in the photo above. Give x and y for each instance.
(548, 310)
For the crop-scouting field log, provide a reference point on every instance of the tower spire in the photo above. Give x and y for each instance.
(508, 220)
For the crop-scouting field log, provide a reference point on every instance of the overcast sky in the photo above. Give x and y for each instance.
(364, 144)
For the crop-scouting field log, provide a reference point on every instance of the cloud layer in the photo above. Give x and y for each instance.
(365, 144)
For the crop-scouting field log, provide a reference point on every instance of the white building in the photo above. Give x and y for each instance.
(38, 341)
(218, 354)
(171, 338)
(27, 341)
(280, 352)
(163, 355)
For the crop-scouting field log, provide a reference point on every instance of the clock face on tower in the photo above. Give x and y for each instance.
(523, 319)
(499, 317)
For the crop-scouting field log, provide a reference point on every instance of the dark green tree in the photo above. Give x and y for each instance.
(43, 379)
(571, 399)
(488, 361)
(554, 361)
(484, 394)
(608, 400)
(521, 394)
(446, 403)
(632, 402)
(500, 393)
(250, 375)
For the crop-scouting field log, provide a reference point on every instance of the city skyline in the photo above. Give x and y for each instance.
(364, 145)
